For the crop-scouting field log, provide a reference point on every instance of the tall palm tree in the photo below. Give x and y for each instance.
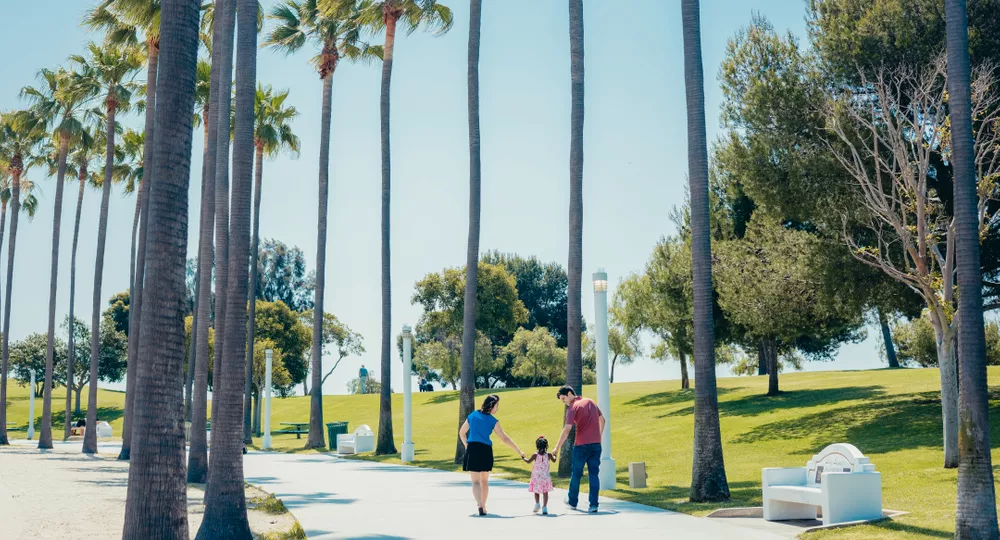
(108, 70)
(125, 23)
(976, 516)
(225, 503)
(59, 102)
(88, 149)
(335, 31)
(388, 15)
(272, 134)
(21, 132)
(156, 505)
(468, 395)
(708, 475)
(202, 97)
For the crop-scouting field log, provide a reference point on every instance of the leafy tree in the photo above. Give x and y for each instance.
(118, 311)
(444, 357)
(372, 386)
(282, 276)
(536, 356)
(280, 377)
(284, 327)
(113, 360)
(347, 342)
(29, 354)
(541, 287)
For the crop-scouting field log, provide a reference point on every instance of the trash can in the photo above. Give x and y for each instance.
(333, 429)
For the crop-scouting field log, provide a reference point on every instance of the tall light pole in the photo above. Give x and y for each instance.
(31, 408)
(407, 455)
(607, 476)
(266, 443)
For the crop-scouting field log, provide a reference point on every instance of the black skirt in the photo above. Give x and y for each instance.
(478, 458)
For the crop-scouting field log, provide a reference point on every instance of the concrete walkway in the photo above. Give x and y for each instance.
(341, 498)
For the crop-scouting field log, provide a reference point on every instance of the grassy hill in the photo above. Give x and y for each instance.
(894, 417)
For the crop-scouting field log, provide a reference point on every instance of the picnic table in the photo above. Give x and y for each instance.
(297, 428)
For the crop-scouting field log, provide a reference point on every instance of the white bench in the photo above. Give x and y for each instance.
(840, 481)
(362, 440)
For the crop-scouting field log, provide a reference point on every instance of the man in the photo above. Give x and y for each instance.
(589, 422)
(363, 378)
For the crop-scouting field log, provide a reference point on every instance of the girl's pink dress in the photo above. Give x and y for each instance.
(541, 480)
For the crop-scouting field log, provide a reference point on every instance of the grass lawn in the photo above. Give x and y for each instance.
(110, 409)
(894, 417)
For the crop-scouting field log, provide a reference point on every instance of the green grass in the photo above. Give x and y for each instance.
(110, 409)
(269, 504)
(893, 416)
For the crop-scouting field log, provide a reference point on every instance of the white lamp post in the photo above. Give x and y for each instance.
(31, 408)
(266, 443)
(407, 455)
(607, 476)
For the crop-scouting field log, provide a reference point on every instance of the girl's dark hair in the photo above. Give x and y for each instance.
(488, 403)
(542, 444)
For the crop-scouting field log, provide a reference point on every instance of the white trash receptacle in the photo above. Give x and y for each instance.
(637, 475)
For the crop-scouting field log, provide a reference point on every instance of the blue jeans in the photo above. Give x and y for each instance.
(589, 455)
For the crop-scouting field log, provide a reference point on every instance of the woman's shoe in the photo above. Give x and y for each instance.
(482, 511)
(537, 508)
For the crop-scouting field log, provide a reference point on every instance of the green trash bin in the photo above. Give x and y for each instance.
(333, 429)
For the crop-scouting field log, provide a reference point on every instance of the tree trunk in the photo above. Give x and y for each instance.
(947, 364)
(90, 435)
(45, 437)
(193, 347)
(3, 367)
(468, 396)
(708, 475)
(71, 351)
(771, 352)
(251, 321)
(305, 385)
(256, 414)
(761, 358)
(79, 390)
(613, 362)
(385, 444)
(685, 381)
(15, 209)
(890, 348)
(156, 505)
(225, 502)
(197, 470)
(976, 516)
(135, 291)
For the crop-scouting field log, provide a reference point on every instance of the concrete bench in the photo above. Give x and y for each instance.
(362, 440)
(840, 481)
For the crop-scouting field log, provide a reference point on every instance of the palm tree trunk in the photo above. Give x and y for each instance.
(890, 348)
(685, 380)
(225, 502)
(3, 369)
(193, 347)
(708, 474)
(135, 291)
(156, 505)
(197, 471)
(45, 437)
(71, 352)
(90, 435)
(976, 516)
(385, 444)
(252, 293)
(205, 187)
(316, 438)
(15, 208)
(468, 396)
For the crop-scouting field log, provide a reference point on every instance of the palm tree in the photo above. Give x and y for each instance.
(156, 505)
(976, 516)
(108, 71)
(58, 102)
(88, 150)
(335, 31)
(21, 132)
(124, 21)
(202, 97)
(708, 475)
(225, 503)
(272, 133)
(468, 395)
(387, 15)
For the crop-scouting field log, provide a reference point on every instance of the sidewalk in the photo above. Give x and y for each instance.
(341, 498)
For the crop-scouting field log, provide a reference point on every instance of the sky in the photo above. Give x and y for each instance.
(634, 157)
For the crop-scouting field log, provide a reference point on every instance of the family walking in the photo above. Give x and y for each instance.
(476, 435)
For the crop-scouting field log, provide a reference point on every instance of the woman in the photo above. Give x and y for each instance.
(475, 435)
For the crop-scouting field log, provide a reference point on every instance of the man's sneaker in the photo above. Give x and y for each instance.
(545, 510)
(566, 501)
(537, 508)
(592, 510)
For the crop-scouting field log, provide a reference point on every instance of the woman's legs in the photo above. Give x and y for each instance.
(484, 481)
(477, 489)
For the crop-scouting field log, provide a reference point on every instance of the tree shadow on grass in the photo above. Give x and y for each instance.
(759, 404)
(104, 414)
(676, 498)
(446, 396)
(673, 397)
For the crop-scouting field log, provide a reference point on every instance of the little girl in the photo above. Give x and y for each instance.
(541, 481)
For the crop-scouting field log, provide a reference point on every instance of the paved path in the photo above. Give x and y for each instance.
(340, 498)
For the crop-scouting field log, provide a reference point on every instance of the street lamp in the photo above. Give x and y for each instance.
(266, 443)
(408, 450)
(607, 476)
(31, 408)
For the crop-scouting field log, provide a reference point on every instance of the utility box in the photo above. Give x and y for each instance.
(637, 475)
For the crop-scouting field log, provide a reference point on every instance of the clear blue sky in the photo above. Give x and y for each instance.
(634, 147)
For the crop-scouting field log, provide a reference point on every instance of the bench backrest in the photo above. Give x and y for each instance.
(363, 429)
(841, 457)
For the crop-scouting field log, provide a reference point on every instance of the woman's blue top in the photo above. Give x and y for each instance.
(480, 427)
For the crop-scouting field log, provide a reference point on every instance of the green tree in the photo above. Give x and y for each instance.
(444, 357)
(282, 276)
(543, 289)
(336, 334)
(537, 356)
(280, 377)
(275, 322)
(111, 364)
(30, 354)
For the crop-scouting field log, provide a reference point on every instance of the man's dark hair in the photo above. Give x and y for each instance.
(565, 391)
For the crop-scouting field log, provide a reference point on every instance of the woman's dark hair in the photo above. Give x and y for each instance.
(542, 444)
(488, 403)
